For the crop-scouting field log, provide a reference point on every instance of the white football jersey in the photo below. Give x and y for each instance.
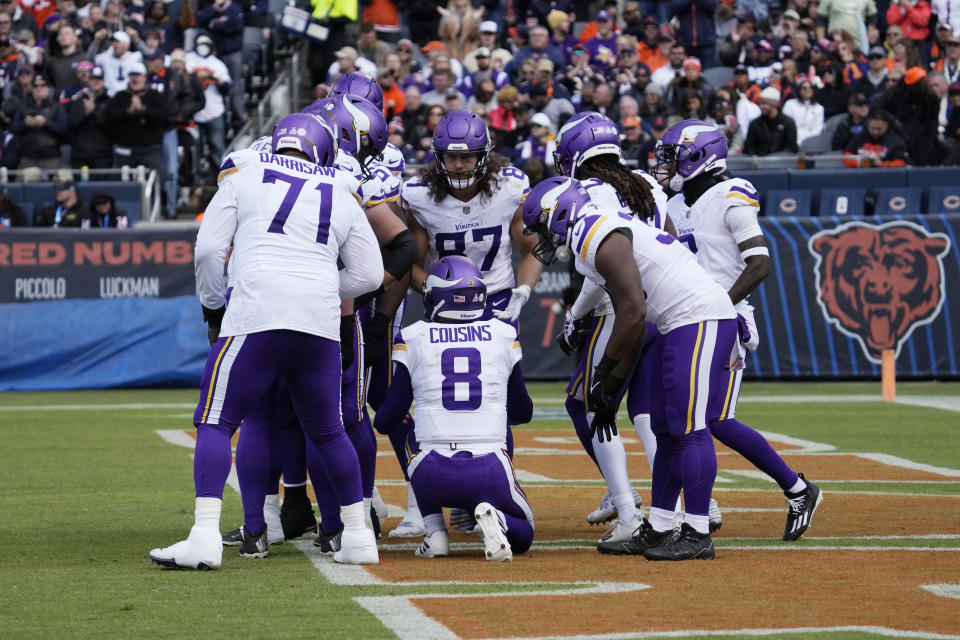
(459, 374)
(393, 159)
(606, 198)
(478, 229)
(677, 290)
(723, 217)
(289, 221)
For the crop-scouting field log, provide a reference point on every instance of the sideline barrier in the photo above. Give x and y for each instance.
(95, 309)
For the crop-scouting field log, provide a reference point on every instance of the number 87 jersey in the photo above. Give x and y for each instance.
(459, 374)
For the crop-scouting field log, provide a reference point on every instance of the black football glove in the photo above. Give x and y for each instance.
(574, 334)
(604, 399)
(213, 318)
(374, 336)
(346, 342)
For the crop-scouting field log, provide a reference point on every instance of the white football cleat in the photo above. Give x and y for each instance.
(607, 511)
(435, 545)
(357, 546)
(493, 526)
(202, 550)
(379, 505)
(621, 531)
(410, 527)
(716, 517)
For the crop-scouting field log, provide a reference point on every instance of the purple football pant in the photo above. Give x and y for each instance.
(238, 376)
(644, 383)
(365, 443)
(464, 481)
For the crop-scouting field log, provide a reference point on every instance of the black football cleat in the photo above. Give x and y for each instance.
(328, 543)
(800, 509)
(254, 545)
(233, 538)
(375, 521)
(644, 537)
(296, 517)
(689, 545)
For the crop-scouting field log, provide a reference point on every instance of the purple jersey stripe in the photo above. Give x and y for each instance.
(227, 165)
(749, 192)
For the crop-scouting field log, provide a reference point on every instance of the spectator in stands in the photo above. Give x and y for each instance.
(39, 124)
(370, 47)
(104, 212)
(414, 112)
(738, 48)
(11, 213)
(158, 18)
(905, 55)
(348, 61)
(690, 80)
(82, 70)
(485, 97)
(484, 65)
(173, 89)
(763, 62)
(27, 49)
(654, 106)
(602, 48)
(800, 50)
(556, 108)
(459, 27)
(853, 125)
(396, 137)
(66, 211)
(696, 30)
(422, 138)
(950, 63)
(59, 67)
(915, 106)
(725, 118)
(875, 79)
(9, 61)
(724, 20)
(603, 100)
(540, 47)
(772, 132)
(15, 93)
(215, 80)
(655, 51)
(20, 18)
(188, 100)
(834, 94)
(627, 107)
(877, 145)
(504, 117)
(539, 144)
(423, 18)
(952, 133)
(393, 98)
(913, 16)
(408, 63)
(947, 11)
(443, 80)
(561, 32)
(223, 19)
(117, 61)
(849, 16)
(580, 69)
(692, 107)
(674, 67)
(488, 38)
(742, 84)
(805, 111)
(91, 144)
(137, 117)
(635, 143)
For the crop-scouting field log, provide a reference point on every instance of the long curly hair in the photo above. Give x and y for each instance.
(440, 189)
(634, 190)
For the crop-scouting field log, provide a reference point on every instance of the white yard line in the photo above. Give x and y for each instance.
(943, 590)
(882, 631)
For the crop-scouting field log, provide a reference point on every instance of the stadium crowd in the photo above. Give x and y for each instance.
(161, 83)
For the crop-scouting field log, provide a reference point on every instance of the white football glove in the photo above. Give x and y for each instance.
(518, 298)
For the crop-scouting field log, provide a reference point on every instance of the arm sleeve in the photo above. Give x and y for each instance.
(519, 403)
(591, 294)
(213, 240)
(398, 401)
(742, 223)
(360, 253)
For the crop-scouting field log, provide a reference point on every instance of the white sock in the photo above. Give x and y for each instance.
(641, 424)
(366, 513)
(433, 523)
(798, 486)
(700, 523)
(612, 460)
(352, 515)
(206, 513)
(271, 512)
(413, 511)
(661, 519)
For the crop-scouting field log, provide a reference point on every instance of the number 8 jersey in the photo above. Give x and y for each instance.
(478, 229)
(459, 374)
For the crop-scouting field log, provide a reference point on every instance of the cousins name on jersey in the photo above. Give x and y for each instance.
(460, 334)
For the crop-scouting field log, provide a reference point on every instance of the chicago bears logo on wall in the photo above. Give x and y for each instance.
(879, 283)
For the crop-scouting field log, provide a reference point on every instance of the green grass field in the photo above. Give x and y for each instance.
(87, 488)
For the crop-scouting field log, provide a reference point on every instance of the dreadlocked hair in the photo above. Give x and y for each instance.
(633, 189)
(440, 189)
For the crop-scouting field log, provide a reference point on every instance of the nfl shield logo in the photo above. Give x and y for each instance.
(466, 209)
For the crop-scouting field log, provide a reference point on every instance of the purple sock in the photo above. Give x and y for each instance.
(328, 502)
(698, 464)
(519, 533)
(212, 459)
(254, 470)
(577, 411)
(666, 473)
(365, 442)
(755, 448)
(398, 440)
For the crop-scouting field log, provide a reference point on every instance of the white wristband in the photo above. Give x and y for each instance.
(755, 251)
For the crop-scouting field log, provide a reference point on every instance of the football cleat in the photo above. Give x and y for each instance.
(328, 543)
(462, 520)
(254, 545)
(494, 528)
(411, 526)
(622, 531)
(379, 505)
(643, 538)
(357, 546)
(800, 509)
(296, 517)
(235, 538)
(435, 545)
(689, 545)
(607, 511)
(716, 517)
(202, 550)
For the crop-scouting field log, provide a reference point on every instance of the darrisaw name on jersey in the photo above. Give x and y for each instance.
(120, 287)
(460, 334)
(297, 165)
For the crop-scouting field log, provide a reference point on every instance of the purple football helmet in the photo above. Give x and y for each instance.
(307, 133)
(461, 132)
(360, 126)
(583, 136)
(454, 291)
(357, 84)
(550, 210)
(688, 149)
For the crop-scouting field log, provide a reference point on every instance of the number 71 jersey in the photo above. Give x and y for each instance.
(478, 230)
(459, 374)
